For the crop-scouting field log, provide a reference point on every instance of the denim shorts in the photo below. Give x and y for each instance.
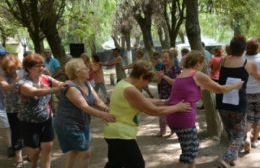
(71, 138)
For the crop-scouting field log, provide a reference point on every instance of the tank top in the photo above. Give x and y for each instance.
(253, 85)
(234, 72)
(127, 117)
(187, 90)
(68, 114)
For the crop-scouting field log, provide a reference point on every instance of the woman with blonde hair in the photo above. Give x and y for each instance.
(77, 104)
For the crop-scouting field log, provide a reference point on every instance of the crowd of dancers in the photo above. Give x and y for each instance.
(39, 100)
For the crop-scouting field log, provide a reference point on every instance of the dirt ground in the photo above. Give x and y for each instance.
(158, 152)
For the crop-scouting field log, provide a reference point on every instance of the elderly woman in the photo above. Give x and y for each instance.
(166, 76)
(36, 116)
(126, 104)
(10, 66)
(187, 87)
(232, 109)
(76, 105)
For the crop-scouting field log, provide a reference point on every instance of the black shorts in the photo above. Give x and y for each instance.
(34, 134)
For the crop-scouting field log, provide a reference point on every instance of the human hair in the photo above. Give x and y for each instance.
(85, 58)
(156, 55)
(10, 62)
(252, 47)
(72, 67)
(139, 53)
(95, 58)
(237, 45)
(32, 60)
(173, 52)
(116, 50)
(227, 49)
(142, 69)
(218, 52)
(192, 59)
(26, 53)
(170, 54)
(184, 51)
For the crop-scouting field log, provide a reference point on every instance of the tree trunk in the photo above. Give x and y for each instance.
(214, 126)
(147, 36)
(37, 42)
(54, 41)
(236, 26)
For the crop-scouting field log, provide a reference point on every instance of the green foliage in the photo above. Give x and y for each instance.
(88, 22)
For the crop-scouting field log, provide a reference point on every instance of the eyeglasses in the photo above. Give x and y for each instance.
(39, 65)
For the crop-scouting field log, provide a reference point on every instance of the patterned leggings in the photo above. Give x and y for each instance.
(234, 124)
(189, 142)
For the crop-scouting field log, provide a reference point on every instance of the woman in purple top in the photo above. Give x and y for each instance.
(187, 87)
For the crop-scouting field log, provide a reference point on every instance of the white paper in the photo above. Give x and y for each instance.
(231, 97)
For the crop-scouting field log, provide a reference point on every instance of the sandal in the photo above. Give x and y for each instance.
(19, 164)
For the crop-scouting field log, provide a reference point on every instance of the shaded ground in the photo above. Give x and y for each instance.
(157, 152)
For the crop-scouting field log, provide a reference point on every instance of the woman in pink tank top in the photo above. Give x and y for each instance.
(187, 88)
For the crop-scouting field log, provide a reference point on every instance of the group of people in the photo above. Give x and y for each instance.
(27, 107)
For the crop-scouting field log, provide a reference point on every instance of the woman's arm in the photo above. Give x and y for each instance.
(138, 101)
(99, 103)
(203, 81)
(28, 90)
(77, 100)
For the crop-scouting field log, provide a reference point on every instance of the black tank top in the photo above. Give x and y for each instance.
(237, 72)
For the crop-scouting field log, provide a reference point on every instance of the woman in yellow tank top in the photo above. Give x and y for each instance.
(126, 104)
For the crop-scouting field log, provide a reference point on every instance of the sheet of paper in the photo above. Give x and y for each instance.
(231, 97)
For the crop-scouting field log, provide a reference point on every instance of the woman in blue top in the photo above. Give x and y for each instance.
(72, 120)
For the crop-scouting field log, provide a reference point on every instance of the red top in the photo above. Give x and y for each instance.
(215, 67)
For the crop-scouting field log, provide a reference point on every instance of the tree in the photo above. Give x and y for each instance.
(26, 13)
(48, 25)
(142, 12)
(173, 14)
(193, 33)
(7, 29)
(238, 14)
(40, 17)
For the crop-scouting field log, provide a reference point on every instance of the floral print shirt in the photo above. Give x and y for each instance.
(35, 109)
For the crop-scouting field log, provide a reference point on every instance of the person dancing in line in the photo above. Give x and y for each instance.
(127, 102)
(36, 116)
(4, 124)
(72, 121)
(99, 78)
(187, 86)
(233, 113)
(166, 77)
(140, 57)
(253, 97)
(10, 66)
